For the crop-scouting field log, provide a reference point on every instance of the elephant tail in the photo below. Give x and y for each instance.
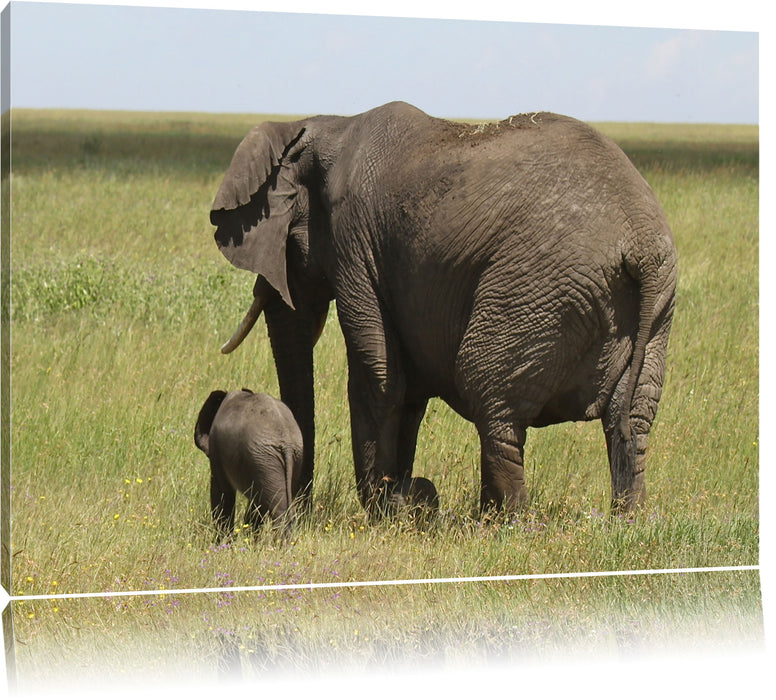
(656, 278)
(292, 464)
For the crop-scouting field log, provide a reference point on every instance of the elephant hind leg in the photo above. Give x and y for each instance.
(256, 514)
(502, 472)
(222, 500)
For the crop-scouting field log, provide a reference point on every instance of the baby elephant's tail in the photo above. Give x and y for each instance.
(292, 463)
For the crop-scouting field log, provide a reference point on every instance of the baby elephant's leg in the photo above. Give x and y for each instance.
(222, 500)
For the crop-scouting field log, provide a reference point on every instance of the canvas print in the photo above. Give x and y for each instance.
(339, 345)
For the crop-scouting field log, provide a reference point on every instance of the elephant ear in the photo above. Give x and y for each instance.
(253, 208)
(205, 420)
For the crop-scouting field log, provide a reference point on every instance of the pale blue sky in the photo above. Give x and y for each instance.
(150, 58)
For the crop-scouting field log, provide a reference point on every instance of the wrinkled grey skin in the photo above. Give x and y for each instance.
(522, 271)
(255, 447)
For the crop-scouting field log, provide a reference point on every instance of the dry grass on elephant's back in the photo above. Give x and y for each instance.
(116, 324)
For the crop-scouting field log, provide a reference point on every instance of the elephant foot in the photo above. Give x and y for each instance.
(630, 501)
(415, 492)
(503, 477)
(414, 496)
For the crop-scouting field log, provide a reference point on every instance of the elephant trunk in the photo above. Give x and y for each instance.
(261, 294)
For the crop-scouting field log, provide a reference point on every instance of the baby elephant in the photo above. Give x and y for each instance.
(255, 447)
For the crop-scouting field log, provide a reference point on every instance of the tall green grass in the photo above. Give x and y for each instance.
(120, 301)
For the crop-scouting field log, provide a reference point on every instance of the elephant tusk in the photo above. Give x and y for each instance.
(245, 327)
(261, 295)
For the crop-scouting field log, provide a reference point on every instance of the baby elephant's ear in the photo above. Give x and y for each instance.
(205, 420)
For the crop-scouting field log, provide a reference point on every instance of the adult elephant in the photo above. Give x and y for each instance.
(522, 271)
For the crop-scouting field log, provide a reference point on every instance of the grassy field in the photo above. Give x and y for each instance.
(120, 301)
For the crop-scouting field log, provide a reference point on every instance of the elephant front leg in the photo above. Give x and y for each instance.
(384, 430)
(376, 394)
(409, 424)
(293, 335)
(375, 430)
(502, 472)
(384, 452)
